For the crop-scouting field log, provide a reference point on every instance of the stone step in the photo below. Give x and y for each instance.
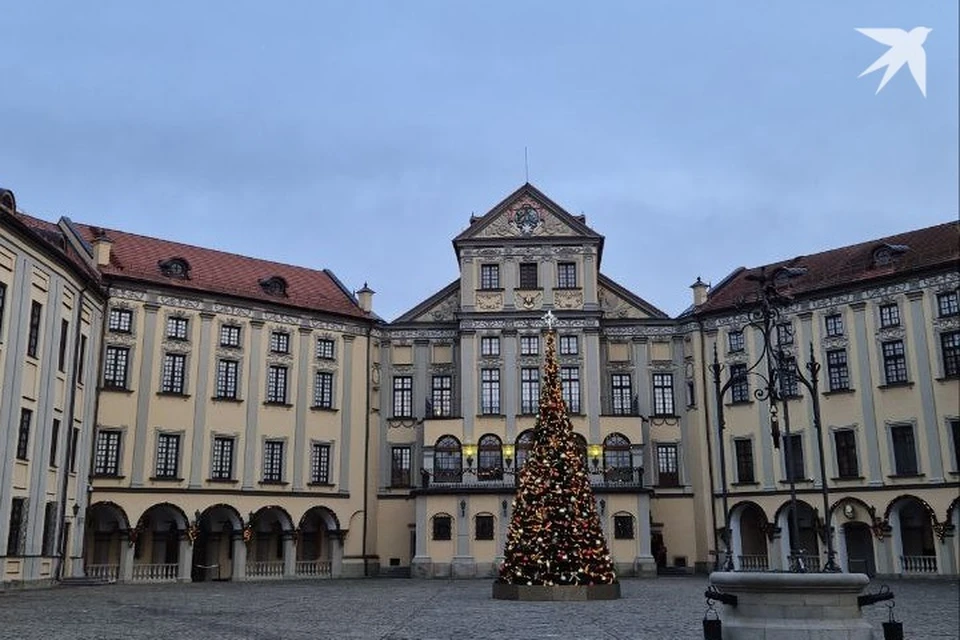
(85, 581)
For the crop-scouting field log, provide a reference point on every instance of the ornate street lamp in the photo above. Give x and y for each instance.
(777, 372)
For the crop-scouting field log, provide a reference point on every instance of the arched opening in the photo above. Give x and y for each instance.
(316, 538)
(807, 545)
(912, 524)
(447, 460)
(490, 458)
(617, 461)
(272, 531)
(581, 445)
(217, 527)
(158, 538)
(748, 525)
(106, 532)
(523, 447)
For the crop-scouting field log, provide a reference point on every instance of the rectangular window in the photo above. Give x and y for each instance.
(735, 341)
(400, 467)
(229, 335)
(320, 463)
(837, 373)
(177, 328)
(570, 387)
(489, 346)
(785, 333)
(621, 394)
(740, 386)
(64, 338)
(54, 442)
(277, 384)
(789, 383)
(81, 359)
(325, 348)
(489, 391)
(528, 275)
(115, 367)
(106, 459)
(894, 362)
(74, 442)
(442, 527)
(23, 434)
(18, 514)
(566, 275)
(120, 321)
(529, 390)
(569, 346)
(484, 527)
(950, 349)
(623, 527)
(280, 342)
(33, 338)
(402, 396)
(3, 306)
(323, 390)
(48, 543)
(168, 455)
(889, 315)
(273, 461)
(667, 469)
(174, 366)
(489, 276)
(441, 397)
(955, 431)
(663, 394)
(845, 441)
(743, 449)
(948, 304)
(793, 457)
(228, 372)
(904, 450)
(222, 463)
(833, 324)
(529, 345)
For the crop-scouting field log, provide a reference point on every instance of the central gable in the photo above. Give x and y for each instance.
(527, 213)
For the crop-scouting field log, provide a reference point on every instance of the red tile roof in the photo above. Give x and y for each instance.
(51, 235)
(135, 257)
(927, 249)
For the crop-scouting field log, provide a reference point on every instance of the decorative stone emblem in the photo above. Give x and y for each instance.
(489, 301)
(527, 219)
(528, 299)
(568, 299)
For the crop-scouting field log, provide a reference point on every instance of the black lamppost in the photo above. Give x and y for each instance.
(778, 375)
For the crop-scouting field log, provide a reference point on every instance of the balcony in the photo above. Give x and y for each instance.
(919, 564)
(448, 481)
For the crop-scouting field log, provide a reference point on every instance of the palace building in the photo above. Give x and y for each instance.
(175, 413)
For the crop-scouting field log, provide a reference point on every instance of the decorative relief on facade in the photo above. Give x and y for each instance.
(526, 323)
(614, 306)
(328, 366)
(737, 357)
(525, 218)
(230, 353)
(620, 366)
(444, 311)
(528, 361)
(946, 324)
(441, 369)
(487, 301)
(128, 294)
(240, 312)
(122, 339)
(176, 346)
(568, 299)
(569, 361)
(402, 368)
(835, 342)
(423, 334)
(284, 359)
(186, 303)
(528, 300)
(891, 333)
(640, 331)
(662, 365)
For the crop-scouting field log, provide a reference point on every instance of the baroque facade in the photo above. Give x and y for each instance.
(242, 419)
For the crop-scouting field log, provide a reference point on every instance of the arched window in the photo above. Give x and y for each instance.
(447, 460)
(274, 286)
(523, 447)
(617, 463)
(175, 268)
(581, 444)
(490, 458)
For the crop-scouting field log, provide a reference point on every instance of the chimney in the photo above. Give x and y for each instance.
(365, 297)
(700, 289)
(101, 248)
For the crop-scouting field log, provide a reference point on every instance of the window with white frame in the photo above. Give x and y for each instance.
(845, 442)
(489, 391)
(833, 324)
(793, 457)
(947, 304)
(566, 275)
(570, 387)
(894, 362)
(106, 459)
(950, 350)
(789, 381)
(889, 315)
(569, 346)
(838, 375)
(229, 335)
(172, 378)
(489, 346)
(529, 390)
(529, 345)
(277, 384)
(120, 320)
(740, 385)
(221, 467)
(227, 379)
(177, 328)
(663, 394)
(735, 341)
(489, 276)
(954, 426)
(667, 465)
(400, 466)
(273, 460)
(320, 463)
(784, 333)
(402, 396)
(168, 455)
(441, 396)
(280, 342)
(743, 451)
(115, 364)
(325, 348)
(621, 395)
(323, 390)
(904, 450)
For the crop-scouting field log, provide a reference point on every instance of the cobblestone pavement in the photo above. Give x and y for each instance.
(401, 610)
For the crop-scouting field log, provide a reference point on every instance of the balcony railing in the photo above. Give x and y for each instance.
(754, 562)
(313, 568)
(810, 562)
(619, 478)
(109, 572)
(265, 569)
(167, 572)
(919, 564)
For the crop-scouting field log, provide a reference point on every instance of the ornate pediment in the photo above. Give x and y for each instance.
(442, 311)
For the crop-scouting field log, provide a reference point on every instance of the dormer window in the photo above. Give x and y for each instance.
(786, 274)
(175, 268)
(887, 254)
(274, 286)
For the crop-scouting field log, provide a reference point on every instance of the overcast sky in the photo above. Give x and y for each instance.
(359, 136)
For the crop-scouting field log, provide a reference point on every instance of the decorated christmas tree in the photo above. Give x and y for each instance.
(555, 537)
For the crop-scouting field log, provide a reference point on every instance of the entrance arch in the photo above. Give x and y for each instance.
(911, 520)
(319, 546)
(105, 534)
(271, 553)
(218, 526)
(748, 524)
(161, 549)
